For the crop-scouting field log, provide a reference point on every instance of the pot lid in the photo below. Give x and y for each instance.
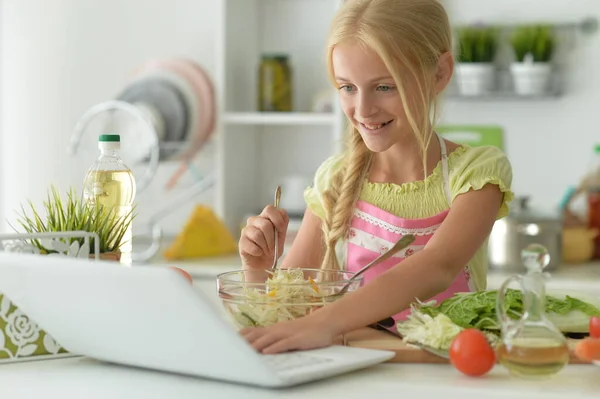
(520, 210)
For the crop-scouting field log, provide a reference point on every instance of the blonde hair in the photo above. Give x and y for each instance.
(409, 36)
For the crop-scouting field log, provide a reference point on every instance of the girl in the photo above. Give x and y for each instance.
(390, 61)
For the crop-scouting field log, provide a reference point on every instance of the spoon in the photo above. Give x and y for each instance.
(276, 204)
(400, 244)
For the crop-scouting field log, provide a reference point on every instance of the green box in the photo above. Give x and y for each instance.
(473, 135)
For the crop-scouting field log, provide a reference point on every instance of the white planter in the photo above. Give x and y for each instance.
(475, 78)
(531, 79)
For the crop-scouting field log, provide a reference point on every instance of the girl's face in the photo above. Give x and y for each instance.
(369, 96)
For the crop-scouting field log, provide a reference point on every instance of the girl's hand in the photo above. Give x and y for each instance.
(257, 242)
(308, 332)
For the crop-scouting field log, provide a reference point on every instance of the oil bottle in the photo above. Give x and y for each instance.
(530, 347)
(110, 184)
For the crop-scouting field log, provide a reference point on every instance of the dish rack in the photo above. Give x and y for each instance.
(172, 102)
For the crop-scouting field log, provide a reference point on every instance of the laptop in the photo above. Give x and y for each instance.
(150, 317)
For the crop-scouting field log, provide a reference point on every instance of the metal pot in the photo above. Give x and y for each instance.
(521, 227)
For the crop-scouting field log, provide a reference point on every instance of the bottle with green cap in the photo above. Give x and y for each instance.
(110, 184)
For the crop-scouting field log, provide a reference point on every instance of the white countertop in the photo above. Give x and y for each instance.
(585, 277)
(86, 378)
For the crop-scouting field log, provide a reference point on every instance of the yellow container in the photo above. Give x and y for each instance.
(274, 84)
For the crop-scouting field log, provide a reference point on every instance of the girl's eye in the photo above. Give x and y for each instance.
(384, 88)
(346, 88)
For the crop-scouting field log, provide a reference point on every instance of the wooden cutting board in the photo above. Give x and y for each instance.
(405, 353)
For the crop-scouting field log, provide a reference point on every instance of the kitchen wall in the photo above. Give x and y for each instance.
(1, 112)
(59, 57)
(549, 142)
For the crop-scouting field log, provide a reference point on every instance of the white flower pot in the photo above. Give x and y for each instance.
(476, 78)
(531, 79)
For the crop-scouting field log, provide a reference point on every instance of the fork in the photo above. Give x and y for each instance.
(276, 204)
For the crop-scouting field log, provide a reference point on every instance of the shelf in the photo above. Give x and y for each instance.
(297, 29)
(502, 96)
(278, 118)
(587, 26)
(504, 89)
(252, 142)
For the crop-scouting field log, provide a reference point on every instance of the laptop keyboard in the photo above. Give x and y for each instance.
(293, 360)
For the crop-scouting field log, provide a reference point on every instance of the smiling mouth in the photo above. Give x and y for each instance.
(376, 127)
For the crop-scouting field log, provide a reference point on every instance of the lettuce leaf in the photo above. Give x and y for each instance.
(478, 309)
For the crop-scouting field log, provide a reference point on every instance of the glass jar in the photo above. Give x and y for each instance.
(274, 84)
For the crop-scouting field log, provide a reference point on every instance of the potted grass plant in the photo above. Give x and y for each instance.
(476, 71)
(74, 214)
(533, 47)
(20, 336)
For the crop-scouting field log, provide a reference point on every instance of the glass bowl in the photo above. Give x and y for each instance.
(258, 298)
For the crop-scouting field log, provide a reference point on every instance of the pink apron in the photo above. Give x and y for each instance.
(373, 231)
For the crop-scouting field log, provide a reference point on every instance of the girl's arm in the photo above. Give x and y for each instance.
(424, 274)
(307, 250)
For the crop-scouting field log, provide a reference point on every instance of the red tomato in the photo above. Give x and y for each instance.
(182, 272)
(471, 354)
(588, 349)
(595, 327)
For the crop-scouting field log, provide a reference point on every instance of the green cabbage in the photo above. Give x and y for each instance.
(436, 325)
(435, 332)
(570, 311)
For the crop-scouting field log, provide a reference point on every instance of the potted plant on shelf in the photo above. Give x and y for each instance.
(75, 215)
(533, 46)
(476, 71)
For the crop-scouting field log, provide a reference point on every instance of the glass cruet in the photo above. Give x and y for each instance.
(530, 346)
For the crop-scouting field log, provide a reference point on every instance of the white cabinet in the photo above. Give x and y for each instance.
(256, 150)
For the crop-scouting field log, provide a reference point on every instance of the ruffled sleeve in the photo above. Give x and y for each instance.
(479, 166)
(322, 179)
